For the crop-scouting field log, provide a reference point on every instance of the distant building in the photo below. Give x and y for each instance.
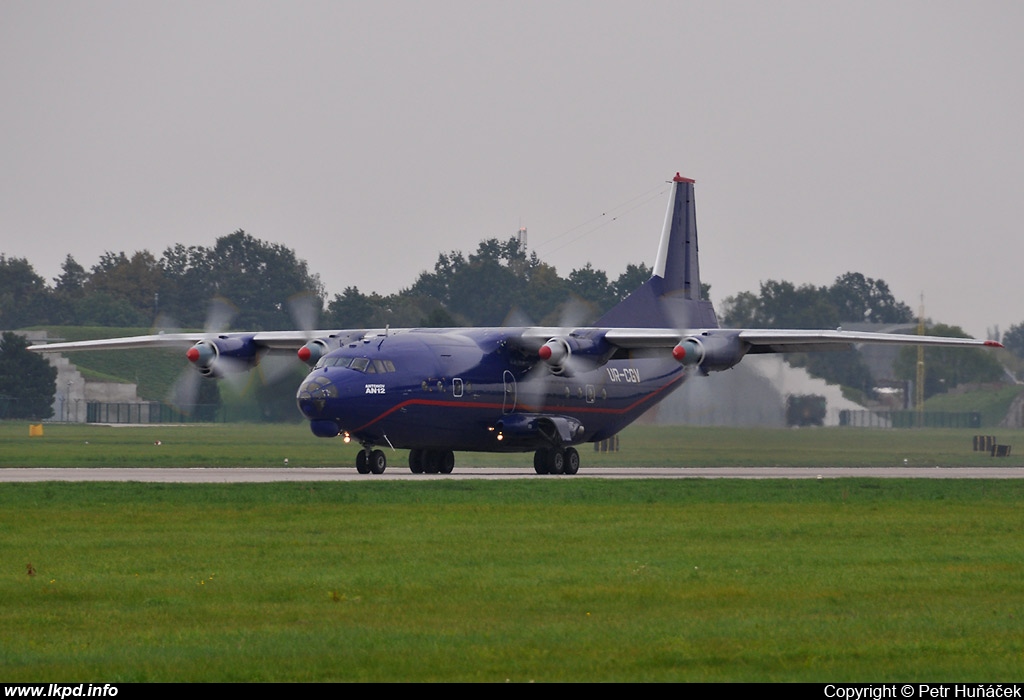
(75, 392)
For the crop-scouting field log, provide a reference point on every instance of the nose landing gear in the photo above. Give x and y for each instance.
(371, 461)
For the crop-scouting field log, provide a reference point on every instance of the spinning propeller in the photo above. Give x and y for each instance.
(207, 359)
(568, 350)
(705, 350)
(219, 355)
(305, 311)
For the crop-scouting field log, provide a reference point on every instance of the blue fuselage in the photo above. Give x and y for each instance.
(448, 389)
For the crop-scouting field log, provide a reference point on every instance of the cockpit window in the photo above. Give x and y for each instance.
(359, 364)
(321, 387)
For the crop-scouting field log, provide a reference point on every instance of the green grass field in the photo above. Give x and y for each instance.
(526, 581)
(255, 445)
(535, 580)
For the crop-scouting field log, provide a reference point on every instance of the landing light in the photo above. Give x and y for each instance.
(346, 438)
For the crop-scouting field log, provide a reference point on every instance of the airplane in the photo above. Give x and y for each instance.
(546, 390)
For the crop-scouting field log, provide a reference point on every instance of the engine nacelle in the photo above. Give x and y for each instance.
(712, 353)
(567, 355)
(311, 352)
(229, 354)
(554, 353)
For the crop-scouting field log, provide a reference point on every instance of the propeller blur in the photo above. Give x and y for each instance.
(435, 391)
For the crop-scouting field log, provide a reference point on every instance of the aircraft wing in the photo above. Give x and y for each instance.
(759, 340)
(716, 349)
(766, 341)
(267, 340)
(161, 340)
(813, 341)
(217, 354)
(563, 350)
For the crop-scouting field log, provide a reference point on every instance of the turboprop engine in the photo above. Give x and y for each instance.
(217, 357)
(570, 354)
(312, 351)
(711, 352)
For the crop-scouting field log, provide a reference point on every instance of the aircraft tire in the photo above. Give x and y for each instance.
(378, 462)
(416, 461)
(556, 461)
(540, 461)
(445, 461)
(362, 463)
(431, 462)
(572, 460)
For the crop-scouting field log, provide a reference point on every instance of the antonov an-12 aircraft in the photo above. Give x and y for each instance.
(436, 391)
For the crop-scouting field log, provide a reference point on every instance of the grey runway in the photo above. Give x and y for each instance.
(300, 474)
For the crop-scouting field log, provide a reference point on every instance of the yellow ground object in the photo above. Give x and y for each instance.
(35, 430)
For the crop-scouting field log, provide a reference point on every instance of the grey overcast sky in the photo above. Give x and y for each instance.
(879, 137)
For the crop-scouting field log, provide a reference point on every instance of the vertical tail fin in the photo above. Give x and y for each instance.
(677, 263)
(672, 297)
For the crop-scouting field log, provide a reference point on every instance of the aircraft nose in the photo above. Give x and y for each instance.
(313, 395)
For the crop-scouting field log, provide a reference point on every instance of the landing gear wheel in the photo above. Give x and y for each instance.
(556, 461)
(378, 462)
(445, 461)
(362, 463)
(432, 461)
(416, 461)
(572, 460)
(431, 464)
(540, 461)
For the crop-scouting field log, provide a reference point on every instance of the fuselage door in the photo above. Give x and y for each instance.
(508, 403)
(457, 388)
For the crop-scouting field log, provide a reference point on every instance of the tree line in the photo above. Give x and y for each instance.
(854, 298)
(261, 280)
(132, 291)
(499, 283)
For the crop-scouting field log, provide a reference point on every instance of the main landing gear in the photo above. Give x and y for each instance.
(371, 461)
(556, 460)
(431, 461)
(550, 460)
